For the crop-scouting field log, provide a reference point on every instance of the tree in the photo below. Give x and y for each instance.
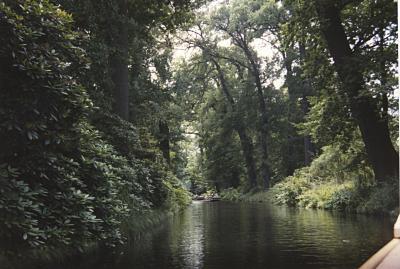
(237, 26)
(270, 21)
(119, 60)
(245, 141)
(213, 56)
(120, 32)
(365, 107)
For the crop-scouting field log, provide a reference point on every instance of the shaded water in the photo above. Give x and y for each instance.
(222, 235)
(231, 235)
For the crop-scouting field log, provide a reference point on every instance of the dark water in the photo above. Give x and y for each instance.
(229, 235)
(223, 235)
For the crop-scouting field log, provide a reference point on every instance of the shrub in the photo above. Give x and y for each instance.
(178, 198)
(329, 196)
(139, 148)
(289, 191)
(41, 107)
(231, 194)
(339, 178)
(380, 198)
(346, 197)
(59, 181)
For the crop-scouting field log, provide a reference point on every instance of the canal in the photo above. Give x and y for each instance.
(223, 235)
(243, 235)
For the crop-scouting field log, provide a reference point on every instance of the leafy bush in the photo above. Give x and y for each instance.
(339, 178)
(231, 194)
(139, 148)
(178, 197)
(329, 196)
(41, 107)
(289, 191)
(381, 198)
(346, 197)
(60, 183)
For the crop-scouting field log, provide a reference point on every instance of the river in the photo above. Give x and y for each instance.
(243, 235)
(223, 235)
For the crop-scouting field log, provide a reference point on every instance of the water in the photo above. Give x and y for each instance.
(233, 235)
(222, 235)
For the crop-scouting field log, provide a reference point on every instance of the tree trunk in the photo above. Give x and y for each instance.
(248, 151)
(305, 107)
(119, 65)
(265, 171)
(374, 129)
(308, 146)
(245, 141)
(290, 146)
(164, 140)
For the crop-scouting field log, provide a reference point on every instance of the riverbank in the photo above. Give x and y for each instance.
(235, 195)
(344, 196)
(347, 196)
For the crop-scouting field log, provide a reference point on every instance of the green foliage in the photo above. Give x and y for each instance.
(345, 198)
(329, 120)
(62, 182)
(237, 195)
(296, 191)
(197, 184)
(288, 191)
(141, 153)
(329, 196)
(231, 194)
(42, 106)
(178, 197)
(381, 198)
(257, 197)
(224, 165)
(338, 179)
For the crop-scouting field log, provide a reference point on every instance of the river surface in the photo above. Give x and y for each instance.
(243, 235)
(222, 235)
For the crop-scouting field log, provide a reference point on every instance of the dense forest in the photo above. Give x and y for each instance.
(114, 113)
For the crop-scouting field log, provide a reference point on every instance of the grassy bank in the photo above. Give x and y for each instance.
(338, 179)
(346, 196)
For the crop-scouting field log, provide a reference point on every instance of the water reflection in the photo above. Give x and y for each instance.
(227, 235)
(191, 245)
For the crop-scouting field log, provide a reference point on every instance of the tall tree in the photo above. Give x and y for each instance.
(119, 60)
(119, 30)
(245, 141)
(364, 106)
(236, 25)
(270, 21)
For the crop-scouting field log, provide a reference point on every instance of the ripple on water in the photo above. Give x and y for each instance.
(228, 235)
